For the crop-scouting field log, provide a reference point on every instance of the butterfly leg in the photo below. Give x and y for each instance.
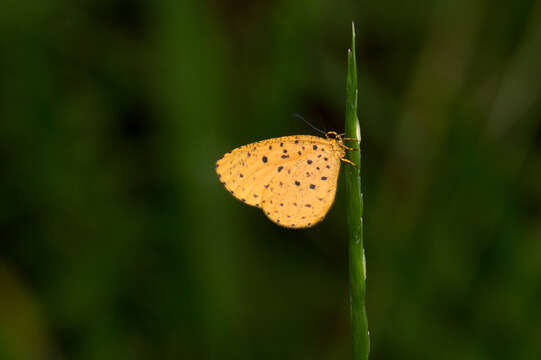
(348, 148)
(358, 142)
(347, 161)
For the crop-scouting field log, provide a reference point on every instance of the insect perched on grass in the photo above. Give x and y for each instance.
(292, 179)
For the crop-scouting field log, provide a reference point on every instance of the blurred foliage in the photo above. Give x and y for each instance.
(117, 240)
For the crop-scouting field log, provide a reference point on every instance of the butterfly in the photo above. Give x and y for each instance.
(293, 179)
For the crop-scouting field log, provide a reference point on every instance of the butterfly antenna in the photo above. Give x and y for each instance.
(312, 126)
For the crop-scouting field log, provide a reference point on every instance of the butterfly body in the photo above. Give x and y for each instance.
(293, 179)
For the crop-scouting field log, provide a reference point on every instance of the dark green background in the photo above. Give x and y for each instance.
(118, 241)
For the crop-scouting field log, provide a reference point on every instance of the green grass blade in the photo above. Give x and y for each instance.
(357, 268)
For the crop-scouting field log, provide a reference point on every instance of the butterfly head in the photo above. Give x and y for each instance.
(333, 135)
(337, 144)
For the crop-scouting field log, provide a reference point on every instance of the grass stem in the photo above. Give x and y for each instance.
(357, 266)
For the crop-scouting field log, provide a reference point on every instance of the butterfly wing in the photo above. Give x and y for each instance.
(242, 172)
(247, 170)
(301, 194)
(265, 174)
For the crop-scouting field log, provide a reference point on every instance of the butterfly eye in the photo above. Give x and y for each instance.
(331, 135)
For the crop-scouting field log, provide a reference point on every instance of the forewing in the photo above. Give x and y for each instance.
(247, 170)
(242, 172)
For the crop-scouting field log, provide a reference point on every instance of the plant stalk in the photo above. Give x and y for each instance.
(354, 196)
